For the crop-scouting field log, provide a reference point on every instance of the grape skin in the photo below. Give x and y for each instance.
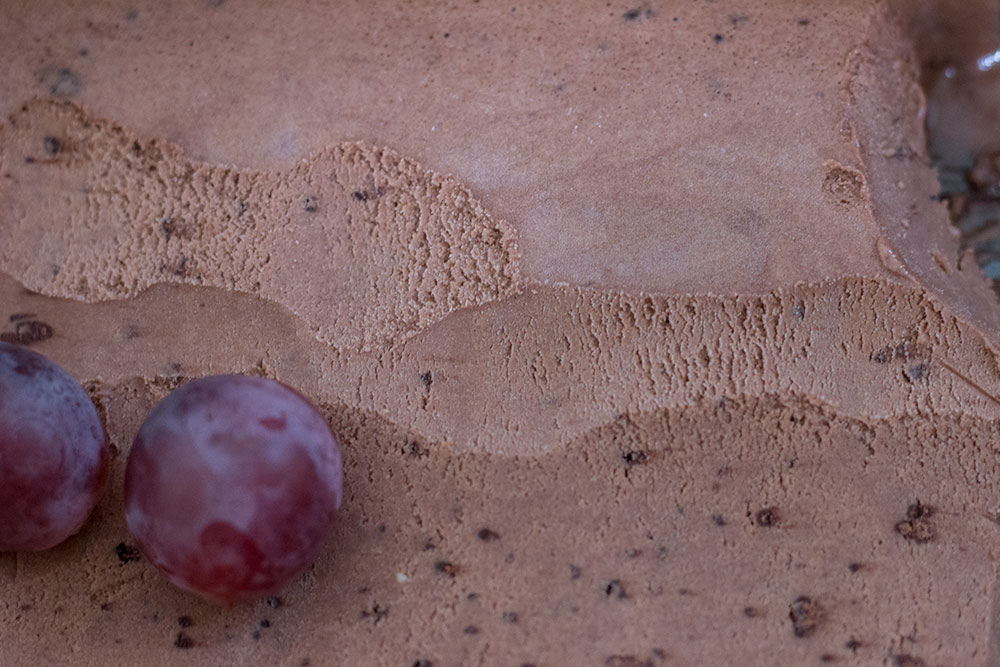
(232, 486)
(53, 452)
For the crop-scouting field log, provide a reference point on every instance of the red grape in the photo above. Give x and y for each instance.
(53, 452)
(232, 485)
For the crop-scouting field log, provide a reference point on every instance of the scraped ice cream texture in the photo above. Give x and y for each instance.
(681, 364)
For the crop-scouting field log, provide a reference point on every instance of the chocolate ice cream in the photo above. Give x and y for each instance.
(680, 365)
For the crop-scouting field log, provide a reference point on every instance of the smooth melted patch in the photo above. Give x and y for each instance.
(365, 245)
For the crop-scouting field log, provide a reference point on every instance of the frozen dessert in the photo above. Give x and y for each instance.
(643, 327)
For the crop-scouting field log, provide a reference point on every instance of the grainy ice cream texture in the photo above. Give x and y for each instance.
(642, 326)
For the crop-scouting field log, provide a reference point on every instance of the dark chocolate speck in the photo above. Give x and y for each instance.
(768, 517)
(446, 568)
(615, 589)
(60, 81)
(487, 535)
(805, 615)
(127, 553)
(52, 145)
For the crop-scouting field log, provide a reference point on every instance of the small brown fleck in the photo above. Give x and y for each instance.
(422, 663)
(852, 645)
(487, 535)
(634, 458)
(52, 145)
(185, 621)
(310, 204)
(907, 660)
(183, 641)
(574, 572)
(917, 526)
(805, 615)
(749, 612)
(414, 449)
(127, 553)
(274, 602)
(941, 263)
(27, 332)
(768, 517)
(827, 657)
(883, 356)
(509, 617)
(916, 372)
(615, 589)
(718, 520)
(844, 185)
(377, 613)
(854, 567)
(60, 81)
(446, 568)
(360, 195)
(471, 630)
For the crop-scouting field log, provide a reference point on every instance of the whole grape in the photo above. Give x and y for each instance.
(53, 452)
(232, 485)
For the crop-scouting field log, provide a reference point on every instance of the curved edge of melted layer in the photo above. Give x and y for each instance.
(771, 528)
(529, 374)
(366, 246)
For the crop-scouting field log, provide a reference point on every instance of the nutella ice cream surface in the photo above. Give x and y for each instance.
(643, 328)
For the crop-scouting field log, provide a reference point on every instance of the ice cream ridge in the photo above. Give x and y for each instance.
(642, 327)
